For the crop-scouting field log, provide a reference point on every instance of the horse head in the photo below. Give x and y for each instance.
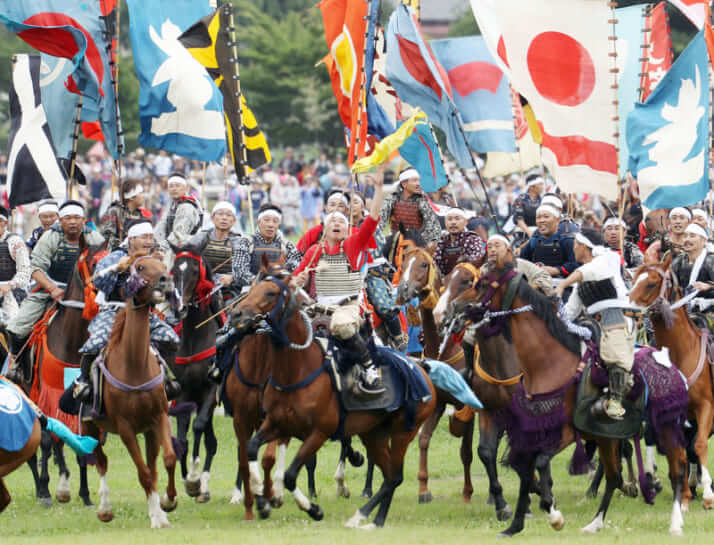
(419, 276)
(149, 282)
(652, 282)
(462, 277)
(192, 278)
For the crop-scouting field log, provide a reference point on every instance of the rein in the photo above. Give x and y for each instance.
(204, 286)
(145, 387)
(429, 301)
(483, 375)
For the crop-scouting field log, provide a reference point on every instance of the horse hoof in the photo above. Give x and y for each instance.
(630, 490)
(315, 512)
(87, 501)
(366, 493)
(236, 497)
(356, 458)
(708, 503)
(106, 517)
(204, 497)
(356, 519)
(425, 498)
(193, 488)
(63, 497)
(45, 501)
(263, 507)
(504, 514)
(167, 504)
(676, 532)
(276, 502)
(466, 498)
(508, 533)
(491, 500)
(368, 527)
(556, 520)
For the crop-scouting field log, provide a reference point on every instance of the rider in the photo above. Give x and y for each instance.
(47, 212)
(110, 280)
(548, 247)
(458, 243)
(268, 240)
(14, 269)
(601, 293)
(183, 219)
(337, 199)
(679, 218)
(52, 263)
(335, 265)
(408, 206)
(120, 214)
(526, 204)
(613, 230)
(694, 267)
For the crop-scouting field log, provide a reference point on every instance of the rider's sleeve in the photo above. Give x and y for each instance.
(21, 255)
(431, 228)
(569, 262)
(241, 263)
(292, 256)
(187, 217)
(44, 251)
(386, 212)
(439, 255)
(308, 259)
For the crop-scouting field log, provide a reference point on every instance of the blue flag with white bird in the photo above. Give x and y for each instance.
(668, 134)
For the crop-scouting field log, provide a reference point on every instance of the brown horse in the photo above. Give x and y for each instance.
(134, 397)
(421, 278)
(655, 287)
(550, 359)
(300, 400)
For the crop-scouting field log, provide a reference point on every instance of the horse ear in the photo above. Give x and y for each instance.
(264, 263)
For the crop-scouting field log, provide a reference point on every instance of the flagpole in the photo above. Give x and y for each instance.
(203, 185)
(616, 117)
(75, 141)
(441, 160)
(114, 70)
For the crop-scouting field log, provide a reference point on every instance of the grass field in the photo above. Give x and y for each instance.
(444, 521)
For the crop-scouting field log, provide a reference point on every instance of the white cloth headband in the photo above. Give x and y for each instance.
(535, 181)
(496, 236)
(699, 212)
(552, 200)
(138, 190)
(47, 207)
(71, 210)
(697, 230)
(177, 179)
(270, 212)
(612, 220)
(224, 205)
(548, 208)
(336, 214)
(409, 173)
(680, 210)
(597, 250)
(340, 196)
(456, 211)
(143, 228)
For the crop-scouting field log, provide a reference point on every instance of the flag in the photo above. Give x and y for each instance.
(668, 135)
(378, 122)
(76, 31)
(421, 81)
(345, 29)
(33, 172)
(207, 41)
(481, 92)
(389, 144)
(180, 108)
(558, 59)
(630, 38)
(659, 55)
(501, 164)
(694, 10)
(422, 152)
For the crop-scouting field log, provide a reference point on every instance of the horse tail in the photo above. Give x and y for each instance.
(117, 330)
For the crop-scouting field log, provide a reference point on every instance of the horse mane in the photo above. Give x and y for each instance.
(544, 309)
(117, 329)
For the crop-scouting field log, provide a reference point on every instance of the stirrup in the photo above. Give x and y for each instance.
(173, 389)
(82, 391)
(215, 374)
(614, 409)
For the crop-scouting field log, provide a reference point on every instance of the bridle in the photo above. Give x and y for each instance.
(429, 295)
(204, 287)
(137, 283)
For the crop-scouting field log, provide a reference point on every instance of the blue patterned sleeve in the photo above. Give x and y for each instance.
(106, 283)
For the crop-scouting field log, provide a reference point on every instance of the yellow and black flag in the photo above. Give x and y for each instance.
(209, 42)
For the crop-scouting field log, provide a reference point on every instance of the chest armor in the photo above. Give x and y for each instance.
(592, 292)
(63, 262)
(219, 255)
(337, 278)
(273, 251)
(549, 253)
(172, 217)
(7, 264)
(529, 211)
(408, 213)
(451, 256)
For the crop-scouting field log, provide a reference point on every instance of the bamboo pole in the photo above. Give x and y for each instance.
(203, 185)
(622, 186)
(114, 65)
(73, 154)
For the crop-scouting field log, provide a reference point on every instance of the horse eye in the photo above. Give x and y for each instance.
(424, 265)
(651, 285)
(140, 268)
(271, 294)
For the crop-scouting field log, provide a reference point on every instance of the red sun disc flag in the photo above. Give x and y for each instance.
(345, 29)
(659, 55)
(558, 59)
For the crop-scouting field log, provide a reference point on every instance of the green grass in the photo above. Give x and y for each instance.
(446, 520)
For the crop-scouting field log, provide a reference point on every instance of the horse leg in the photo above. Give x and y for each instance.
(377, 446)
(237, 495)
(629, 487)
(547, 501)
(489, 437)
(467, 456)
(43, 492)
(5, 497)
(427, 430)
(610, 458)
(193, 479)
(156, 514)
(200, 426)
(596, 480)
(278, 488)
(182, 422)
(525, 474)
(63, 493)
(704, 426)
(32, 463)
(211, 443)
(169, 500)
(243, 430)
(307, 451)
(368, 478)
(104, 511)
(342, 490)
(677, 461)
(266, 492)
(83, 482)
(310, 467)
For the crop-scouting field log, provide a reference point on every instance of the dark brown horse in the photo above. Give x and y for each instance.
(550, 357)
(300, 400)
(134, 397)
(192, 278)
(655, 287)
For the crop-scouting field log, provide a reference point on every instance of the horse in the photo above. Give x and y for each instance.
(134, 397)
(550, 359)
(421, 278)
(56, 351)
(300, 400)
(196, 352)
(656, 289)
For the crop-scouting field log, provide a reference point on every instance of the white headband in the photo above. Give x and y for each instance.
(681, 211)
(582, 239)
(71, 210)
(409, 173)
(270, 212)
(138, 190)
(699, 212)
(47, 207)
(341, 196)
(554, 201)
(176, 178)
(224, 205)
(535, 181)
(456, 211)
(548, 208)
(496, 236)
(143, 228)
(612, 220)
(336, 214)
(697, 230)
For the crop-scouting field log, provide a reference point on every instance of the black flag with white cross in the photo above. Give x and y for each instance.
(33, 171)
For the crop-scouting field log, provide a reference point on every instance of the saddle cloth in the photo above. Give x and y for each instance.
(17, 418)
